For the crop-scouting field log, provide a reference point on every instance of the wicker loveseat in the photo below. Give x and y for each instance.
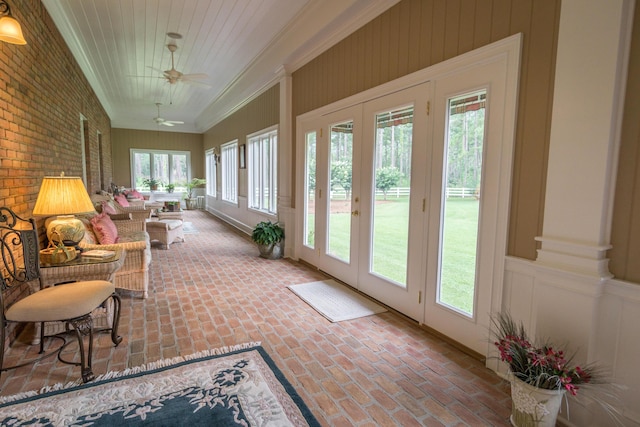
(133, 238)
(106, 202)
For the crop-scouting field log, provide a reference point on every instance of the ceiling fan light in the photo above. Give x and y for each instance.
(10, 30)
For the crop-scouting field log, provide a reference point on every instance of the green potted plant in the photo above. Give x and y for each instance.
(190, 201)
(171, 206)
(269, 236)
(152, 183)
(170, 188)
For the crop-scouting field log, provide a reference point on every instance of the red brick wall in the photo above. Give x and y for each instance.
(43, 92)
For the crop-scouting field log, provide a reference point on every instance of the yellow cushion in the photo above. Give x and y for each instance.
(61, 302)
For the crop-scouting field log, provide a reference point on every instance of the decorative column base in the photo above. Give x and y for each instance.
(574, 257)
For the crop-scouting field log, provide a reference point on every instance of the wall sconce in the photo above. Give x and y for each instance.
(10, 30)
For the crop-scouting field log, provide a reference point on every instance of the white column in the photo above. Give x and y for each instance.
(285, 161)
(588, 98)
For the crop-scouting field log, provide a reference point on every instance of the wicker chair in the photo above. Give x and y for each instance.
(133, 238)
(71, 303)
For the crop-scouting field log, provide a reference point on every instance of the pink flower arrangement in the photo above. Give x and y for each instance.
(540, 366)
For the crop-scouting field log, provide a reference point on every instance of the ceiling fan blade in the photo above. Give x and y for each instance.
(196, 83)
(146, 77)
(197, 76)
(174, 122)
(157, 70)
(167, 124)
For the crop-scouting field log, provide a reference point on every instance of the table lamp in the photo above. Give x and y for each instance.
(62, 197)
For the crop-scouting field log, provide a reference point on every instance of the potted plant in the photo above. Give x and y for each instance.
(171, 206)
(190, 201)
(152, 183)
(540, 374)
(269, 236)
(170, 188)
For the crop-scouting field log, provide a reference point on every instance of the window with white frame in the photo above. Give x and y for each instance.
(229, 172)
(210, 165)
(262, 170)
(161, 166)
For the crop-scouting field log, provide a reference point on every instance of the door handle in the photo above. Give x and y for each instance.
(355, 213)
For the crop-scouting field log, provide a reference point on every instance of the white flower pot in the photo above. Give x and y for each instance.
(532, 406)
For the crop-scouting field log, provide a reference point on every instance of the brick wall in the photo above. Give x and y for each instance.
(43, 94)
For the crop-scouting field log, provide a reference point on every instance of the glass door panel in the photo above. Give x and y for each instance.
(392, 186)
(392, 220)
(309, 226)
(340, 182)
(461, 201)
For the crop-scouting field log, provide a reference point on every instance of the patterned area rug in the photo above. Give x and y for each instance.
(222, 387)
(336, 302)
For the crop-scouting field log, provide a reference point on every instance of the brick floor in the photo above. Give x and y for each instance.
(213, 290)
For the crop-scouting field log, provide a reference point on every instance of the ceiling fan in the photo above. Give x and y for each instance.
(174, 76)
(160, 121)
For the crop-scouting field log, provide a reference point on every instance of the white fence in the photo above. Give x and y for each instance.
(398, 192)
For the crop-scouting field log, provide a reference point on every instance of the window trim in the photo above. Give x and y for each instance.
(226, 149)
(212, 179)
(170, 153)
(270, 133)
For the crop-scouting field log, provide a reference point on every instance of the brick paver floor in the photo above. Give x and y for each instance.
(213, 290)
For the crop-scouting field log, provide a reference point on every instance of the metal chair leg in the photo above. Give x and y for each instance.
(115, 338)
(84, 326)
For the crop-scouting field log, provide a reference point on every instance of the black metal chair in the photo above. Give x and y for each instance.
(71, 303)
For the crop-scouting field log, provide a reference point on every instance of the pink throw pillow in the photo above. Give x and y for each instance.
(108, 208)
(122, 200)
(136, 194)
(105, 229)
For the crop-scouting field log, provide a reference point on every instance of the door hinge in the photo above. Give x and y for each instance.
(419, 297)
(319, 193)
(428, 107)
(424, 205)
(320, 132)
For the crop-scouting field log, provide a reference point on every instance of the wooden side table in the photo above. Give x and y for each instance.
(80, 269)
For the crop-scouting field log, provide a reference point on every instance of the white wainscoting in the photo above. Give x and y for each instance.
(597, 318)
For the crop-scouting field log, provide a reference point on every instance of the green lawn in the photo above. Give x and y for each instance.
(390, 246)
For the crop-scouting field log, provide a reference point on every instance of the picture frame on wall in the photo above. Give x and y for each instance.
(243, 159)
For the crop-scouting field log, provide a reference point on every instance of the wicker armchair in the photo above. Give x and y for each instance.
(132, 237)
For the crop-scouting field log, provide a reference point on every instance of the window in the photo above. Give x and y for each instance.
(262, 162)
(210, 165)
(167, 167)
(230, 172)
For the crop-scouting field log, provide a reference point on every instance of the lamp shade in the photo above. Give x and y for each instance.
(62, 195)
(10, 30)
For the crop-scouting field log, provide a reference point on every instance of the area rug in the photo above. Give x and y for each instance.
(336, 302)
(188, 228)
(222, 387)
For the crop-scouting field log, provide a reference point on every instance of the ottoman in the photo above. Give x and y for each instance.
(166, 231)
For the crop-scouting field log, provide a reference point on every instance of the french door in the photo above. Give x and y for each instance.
(354, 227)
(331, 152)
(405, 194)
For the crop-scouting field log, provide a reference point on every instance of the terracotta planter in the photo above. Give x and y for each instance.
(532, 406)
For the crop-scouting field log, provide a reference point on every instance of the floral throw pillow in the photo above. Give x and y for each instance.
(105, 229)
